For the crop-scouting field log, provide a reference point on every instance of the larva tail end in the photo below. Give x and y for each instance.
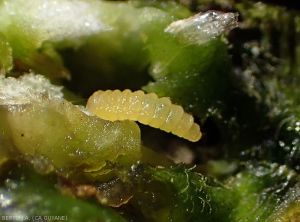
(194, 134)
(93, 100)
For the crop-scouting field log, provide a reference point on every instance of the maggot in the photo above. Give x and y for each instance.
(147, 109)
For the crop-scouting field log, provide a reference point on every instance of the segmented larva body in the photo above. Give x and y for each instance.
(147, 109)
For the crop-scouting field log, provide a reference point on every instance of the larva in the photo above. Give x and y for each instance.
(147, 109)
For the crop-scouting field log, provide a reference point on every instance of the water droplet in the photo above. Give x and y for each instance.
(203, 27)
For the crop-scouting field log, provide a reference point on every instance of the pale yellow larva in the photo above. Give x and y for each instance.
(145, 108)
